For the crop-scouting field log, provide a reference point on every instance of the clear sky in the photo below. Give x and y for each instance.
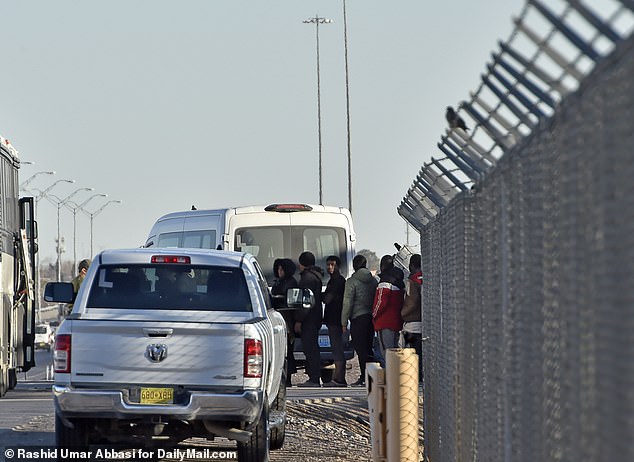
(165, 104)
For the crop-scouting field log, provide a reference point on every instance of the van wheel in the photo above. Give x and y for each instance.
(257, 448)
(278, 414)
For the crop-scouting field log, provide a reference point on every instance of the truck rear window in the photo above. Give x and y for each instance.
(172, 287)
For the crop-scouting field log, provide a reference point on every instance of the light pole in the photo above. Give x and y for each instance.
(93, 215)
(74, 209)
(345, 54)
(26, 182)
(317, 21)
(59, 243)
(44, 192)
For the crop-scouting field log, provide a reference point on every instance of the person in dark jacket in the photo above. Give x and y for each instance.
(357, 308)
(308, 323)
(388, 301)
(284, 269)
(333, 301)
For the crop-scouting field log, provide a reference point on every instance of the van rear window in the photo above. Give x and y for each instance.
(173, 287)
(190, 239)
(268, 243)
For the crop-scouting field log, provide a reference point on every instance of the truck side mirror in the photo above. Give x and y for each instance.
(300, 298)
(59, 292)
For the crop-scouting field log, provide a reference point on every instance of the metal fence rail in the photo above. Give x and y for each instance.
(528, 291)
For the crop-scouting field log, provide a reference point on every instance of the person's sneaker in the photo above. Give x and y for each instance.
(309, 383)
(334, 383)
(359, 383)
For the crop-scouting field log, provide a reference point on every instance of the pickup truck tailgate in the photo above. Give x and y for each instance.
(157, 353)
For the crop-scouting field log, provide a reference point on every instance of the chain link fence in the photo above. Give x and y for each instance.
(528, 294)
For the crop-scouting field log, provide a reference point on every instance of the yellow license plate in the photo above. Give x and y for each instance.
(157, 395)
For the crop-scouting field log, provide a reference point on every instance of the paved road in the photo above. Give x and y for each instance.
(316, 418)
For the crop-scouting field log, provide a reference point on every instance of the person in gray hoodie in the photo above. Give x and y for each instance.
(358, 298)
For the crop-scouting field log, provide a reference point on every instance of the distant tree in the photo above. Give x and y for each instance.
(373, 260)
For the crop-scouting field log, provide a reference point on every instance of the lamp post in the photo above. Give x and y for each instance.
(317, 21)
(26, 182)
(93, 215)
(59, 243)
(75, 209)
(345, 54)
(43, 193)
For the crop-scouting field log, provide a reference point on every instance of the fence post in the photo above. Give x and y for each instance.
(375, 380)
(402, 404)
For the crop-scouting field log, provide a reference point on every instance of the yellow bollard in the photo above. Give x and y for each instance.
(375, 382)
(401, 377)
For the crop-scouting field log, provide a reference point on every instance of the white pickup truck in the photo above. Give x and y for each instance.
(167, 344)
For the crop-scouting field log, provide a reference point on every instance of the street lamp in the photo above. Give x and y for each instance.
(59, 243)
(345, 54)
(74, 209)
(94, 214)
(32, 177)
(44, 192)
(317, 21)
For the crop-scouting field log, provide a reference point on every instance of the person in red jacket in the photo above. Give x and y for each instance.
(388, 301)
(412, 311)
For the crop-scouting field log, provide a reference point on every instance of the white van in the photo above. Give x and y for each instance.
(267, 232)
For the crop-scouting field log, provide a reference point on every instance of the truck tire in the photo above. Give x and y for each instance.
(76, 438)
(257, 448)
(278, 412)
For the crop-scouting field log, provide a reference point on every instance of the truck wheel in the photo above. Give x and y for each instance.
(257, 448)
(278, 414)
(76, 438)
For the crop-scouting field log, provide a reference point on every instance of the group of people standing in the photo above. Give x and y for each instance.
(385, 304)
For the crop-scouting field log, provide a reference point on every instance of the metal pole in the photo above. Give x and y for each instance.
(345, 49)
(317, 20)
(321, 201)
(59, 251)
(80, 207)
(59, 246)
(74, 240)
(92, 215)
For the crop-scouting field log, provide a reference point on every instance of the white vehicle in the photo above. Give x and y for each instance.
(18, 245)
(44, 336)
(267, 232)
(162, 346)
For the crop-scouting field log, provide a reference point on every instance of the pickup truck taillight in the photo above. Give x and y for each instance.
(61, 354)
(253, 359)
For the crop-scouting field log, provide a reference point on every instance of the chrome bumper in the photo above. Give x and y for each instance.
(72, 402)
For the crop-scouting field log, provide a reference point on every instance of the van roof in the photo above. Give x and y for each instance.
(253, 209)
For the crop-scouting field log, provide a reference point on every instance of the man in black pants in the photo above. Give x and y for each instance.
(308, 322)
(333, 302)
(358, 298)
